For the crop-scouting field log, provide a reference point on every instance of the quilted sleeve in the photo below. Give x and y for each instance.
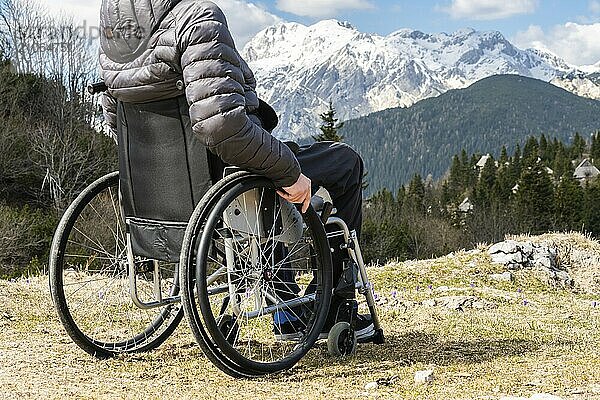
(214, 76)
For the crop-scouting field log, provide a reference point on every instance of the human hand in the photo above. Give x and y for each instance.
(299, 192)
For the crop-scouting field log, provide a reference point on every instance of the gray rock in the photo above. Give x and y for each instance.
(459, 303)
(483, 305)
(502, 258)
(527, 249)
(371, 386)
(503, 277)
(507, 247)
(429, 303)
(517, 256)
(555, 278)
(544, 257)
(537, 396)
(422, 377)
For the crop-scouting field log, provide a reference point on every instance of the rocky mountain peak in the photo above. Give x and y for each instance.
(299, 68)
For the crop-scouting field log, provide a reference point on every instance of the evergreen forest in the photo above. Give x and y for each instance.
(482, 199)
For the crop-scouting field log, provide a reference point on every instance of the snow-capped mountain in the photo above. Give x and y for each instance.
(582, 84)
(591, 69)
(300, 68)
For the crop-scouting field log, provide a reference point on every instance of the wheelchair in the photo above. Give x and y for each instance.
(174, 232)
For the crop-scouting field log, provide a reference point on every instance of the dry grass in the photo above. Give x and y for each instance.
(578, 253)
(537, 340)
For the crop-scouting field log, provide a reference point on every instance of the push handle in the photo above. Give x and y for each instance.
(326, 212)
(98, 87)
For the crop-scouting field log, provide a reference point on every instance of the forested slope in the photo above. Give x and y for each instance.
(502, 110)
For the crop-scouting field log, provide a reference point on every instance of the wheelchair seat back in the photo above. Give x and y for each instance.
(164, 172)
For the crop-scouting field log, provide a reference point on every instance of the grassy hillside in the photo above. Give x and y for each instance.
(496, 111)
(513, 338)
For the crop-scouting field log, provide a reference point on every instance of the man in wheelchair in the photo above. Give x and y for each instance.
(153, 50)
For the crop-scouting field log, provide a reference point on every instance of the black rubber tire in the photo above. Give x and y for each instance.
(155, 333)
(202, 322)
(187, 280)
(341, 340)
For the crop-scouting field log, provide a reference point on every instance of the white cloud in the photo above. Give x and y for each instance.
(577, 43)
(88, 11)
(322, 8)
(594, 6)
(245, 19)
(488, 9)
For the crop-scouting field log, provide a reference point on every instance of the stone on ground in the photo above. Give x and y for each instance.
(422, 377)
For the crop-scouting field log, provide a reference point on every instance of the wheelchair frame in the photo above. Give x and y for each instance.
(363, 285)
(265, 302)
(351, 244)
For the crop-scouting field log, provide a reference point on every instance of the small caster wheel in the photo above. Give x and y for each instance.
(341, 340)
(228, 327)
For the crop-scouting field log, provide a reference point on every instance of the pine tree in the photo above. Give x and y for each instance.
(484, 195)
(515, 164)
(578, 147)
(592, 207)
(385, 199)
(535, 199)
(504, 183)
(595, 149)
(471, 172)
(562, 162)
(544, 149)
(504, 156)
(401, 196)
(330, 126)
(464, 159)
(569, 203)
(531, 151)
(454, 186)
(446, 198)
(414, 201)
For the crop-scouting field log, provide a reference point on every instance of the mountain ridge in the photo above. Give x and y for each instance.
(300, 68)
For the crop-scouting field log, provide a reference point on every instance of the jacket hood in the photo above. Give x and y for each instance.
(127, 25)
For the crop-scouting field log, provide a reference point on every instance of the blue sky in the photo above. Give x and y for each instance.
(568, 28)
(436, 16)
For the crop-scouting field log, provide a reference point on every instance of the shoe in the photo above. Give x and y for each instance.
(363, 328)
(287, 327)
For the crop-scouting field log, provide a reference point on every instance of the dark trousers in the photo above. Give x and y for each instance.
(339, 169)
(332, 165)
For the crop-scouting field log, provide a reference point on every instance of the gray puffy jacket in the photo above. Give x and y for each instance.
(150, 47)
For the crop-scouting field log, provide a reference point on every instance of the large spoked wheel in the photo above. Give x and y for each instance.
(255, 277)
(89, 278)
